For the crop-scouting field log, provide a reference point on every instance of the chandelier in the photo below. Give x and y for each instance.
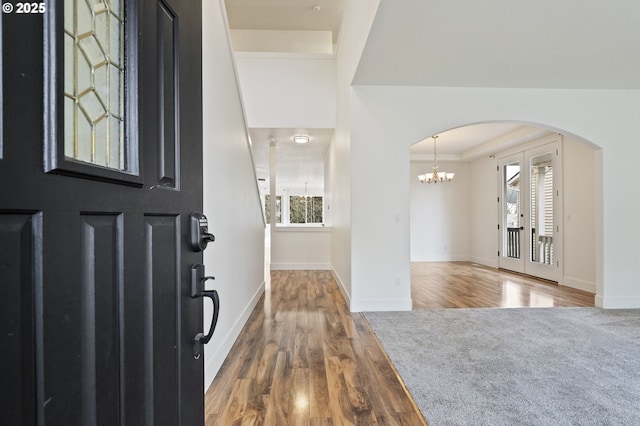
(435, 176)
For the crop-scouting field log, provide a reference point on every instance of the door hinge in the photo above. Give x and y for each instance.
(498, 253)
(557, 263)
(498, 226)
(498, 199)
(557, 228)
(497, 168)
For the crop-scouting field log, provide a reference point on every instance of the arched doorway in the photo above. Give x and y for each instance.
(467, 219)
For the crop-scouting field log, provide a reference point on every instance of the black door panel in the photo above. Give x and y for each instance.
(97, 318)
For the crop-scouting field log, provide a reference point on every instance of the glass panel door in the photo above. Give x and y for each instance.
(530, 208)
(512, 225)
(544, 210)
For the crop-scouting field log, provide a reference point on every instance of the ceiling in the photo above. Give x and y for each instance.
(569, 44)
(300, 166)
(493, 43)
(472, 141)
(297, 15)
(456, 141)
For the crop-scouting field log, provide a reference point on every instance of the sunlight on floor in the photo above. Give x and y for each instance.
(511, 295)
(540, 300)
(515, 296)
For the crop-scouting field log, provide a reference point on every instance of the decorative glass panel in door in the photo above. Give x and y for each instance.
(94, 83)
(91, 96)
(541, 209)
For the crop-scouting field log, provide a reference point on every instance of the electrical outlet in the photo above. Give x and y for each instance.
(396, 281)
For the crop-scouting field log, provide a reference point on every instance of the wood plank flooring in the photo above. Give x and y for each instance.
(304, 359)
(468, 285)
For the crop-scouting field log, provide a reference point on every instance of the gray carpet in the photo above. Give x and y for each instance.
(551, 366)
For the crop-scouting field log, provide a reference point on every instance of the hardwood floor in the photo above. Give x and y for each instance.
(468, 285)
(304, 359)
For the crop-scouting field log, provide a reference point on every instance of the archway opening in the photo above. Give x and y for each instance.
(462, 222)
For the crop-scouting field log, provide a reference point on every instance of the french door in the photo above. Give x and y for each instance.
(530, 231)
(101, 167)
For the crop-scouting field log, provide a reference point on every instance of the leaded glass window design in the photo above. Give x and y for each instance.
(94, 82)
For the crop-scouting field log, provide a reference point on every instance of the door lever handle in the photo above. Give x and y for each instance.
(198, 280)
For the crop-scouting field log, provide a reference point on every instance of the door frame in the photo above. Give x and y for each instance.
(505, 262)
(524, 154)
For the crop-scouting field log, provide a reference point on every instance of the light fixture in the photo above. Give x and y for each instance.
(301, 139)
(435, 176)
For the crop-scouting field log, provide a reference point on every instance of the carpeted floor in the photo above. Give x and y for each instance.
(551, 366)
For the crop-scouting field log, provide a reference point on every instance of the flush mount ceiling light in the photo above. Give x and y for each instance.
(436, 176)
(301, 139)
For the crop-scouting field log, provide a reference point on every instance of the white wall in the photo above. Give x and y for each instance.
(301, 247)
(579, 215)
(231, 199)
(483, 192)
(288, 92)
(357, 19)
(380, 270)
(385, 121)
(440, 214)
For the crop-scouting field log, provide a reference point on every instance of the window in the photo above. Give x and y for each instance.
(267, 209)
(305, 209)
(302, 209)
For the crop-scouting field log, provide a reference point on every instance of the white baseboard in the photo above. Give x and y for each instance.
(579, 284)
(618, 302)
(442, 258)
(343, 290)
(373, 305)
(598, 301)
(300, 267)
(492, 263)
(223, 348)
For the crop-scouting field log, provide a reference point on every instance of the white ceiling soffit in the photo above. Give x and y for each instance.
(476, 140)
(504, 43)
(286, 15)
(296, 164)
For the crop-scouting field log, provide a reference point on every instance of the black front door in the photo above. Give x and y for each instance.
(100, 168)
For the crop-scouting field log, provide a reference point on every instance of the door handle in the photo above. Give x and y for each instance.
(198, 279)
